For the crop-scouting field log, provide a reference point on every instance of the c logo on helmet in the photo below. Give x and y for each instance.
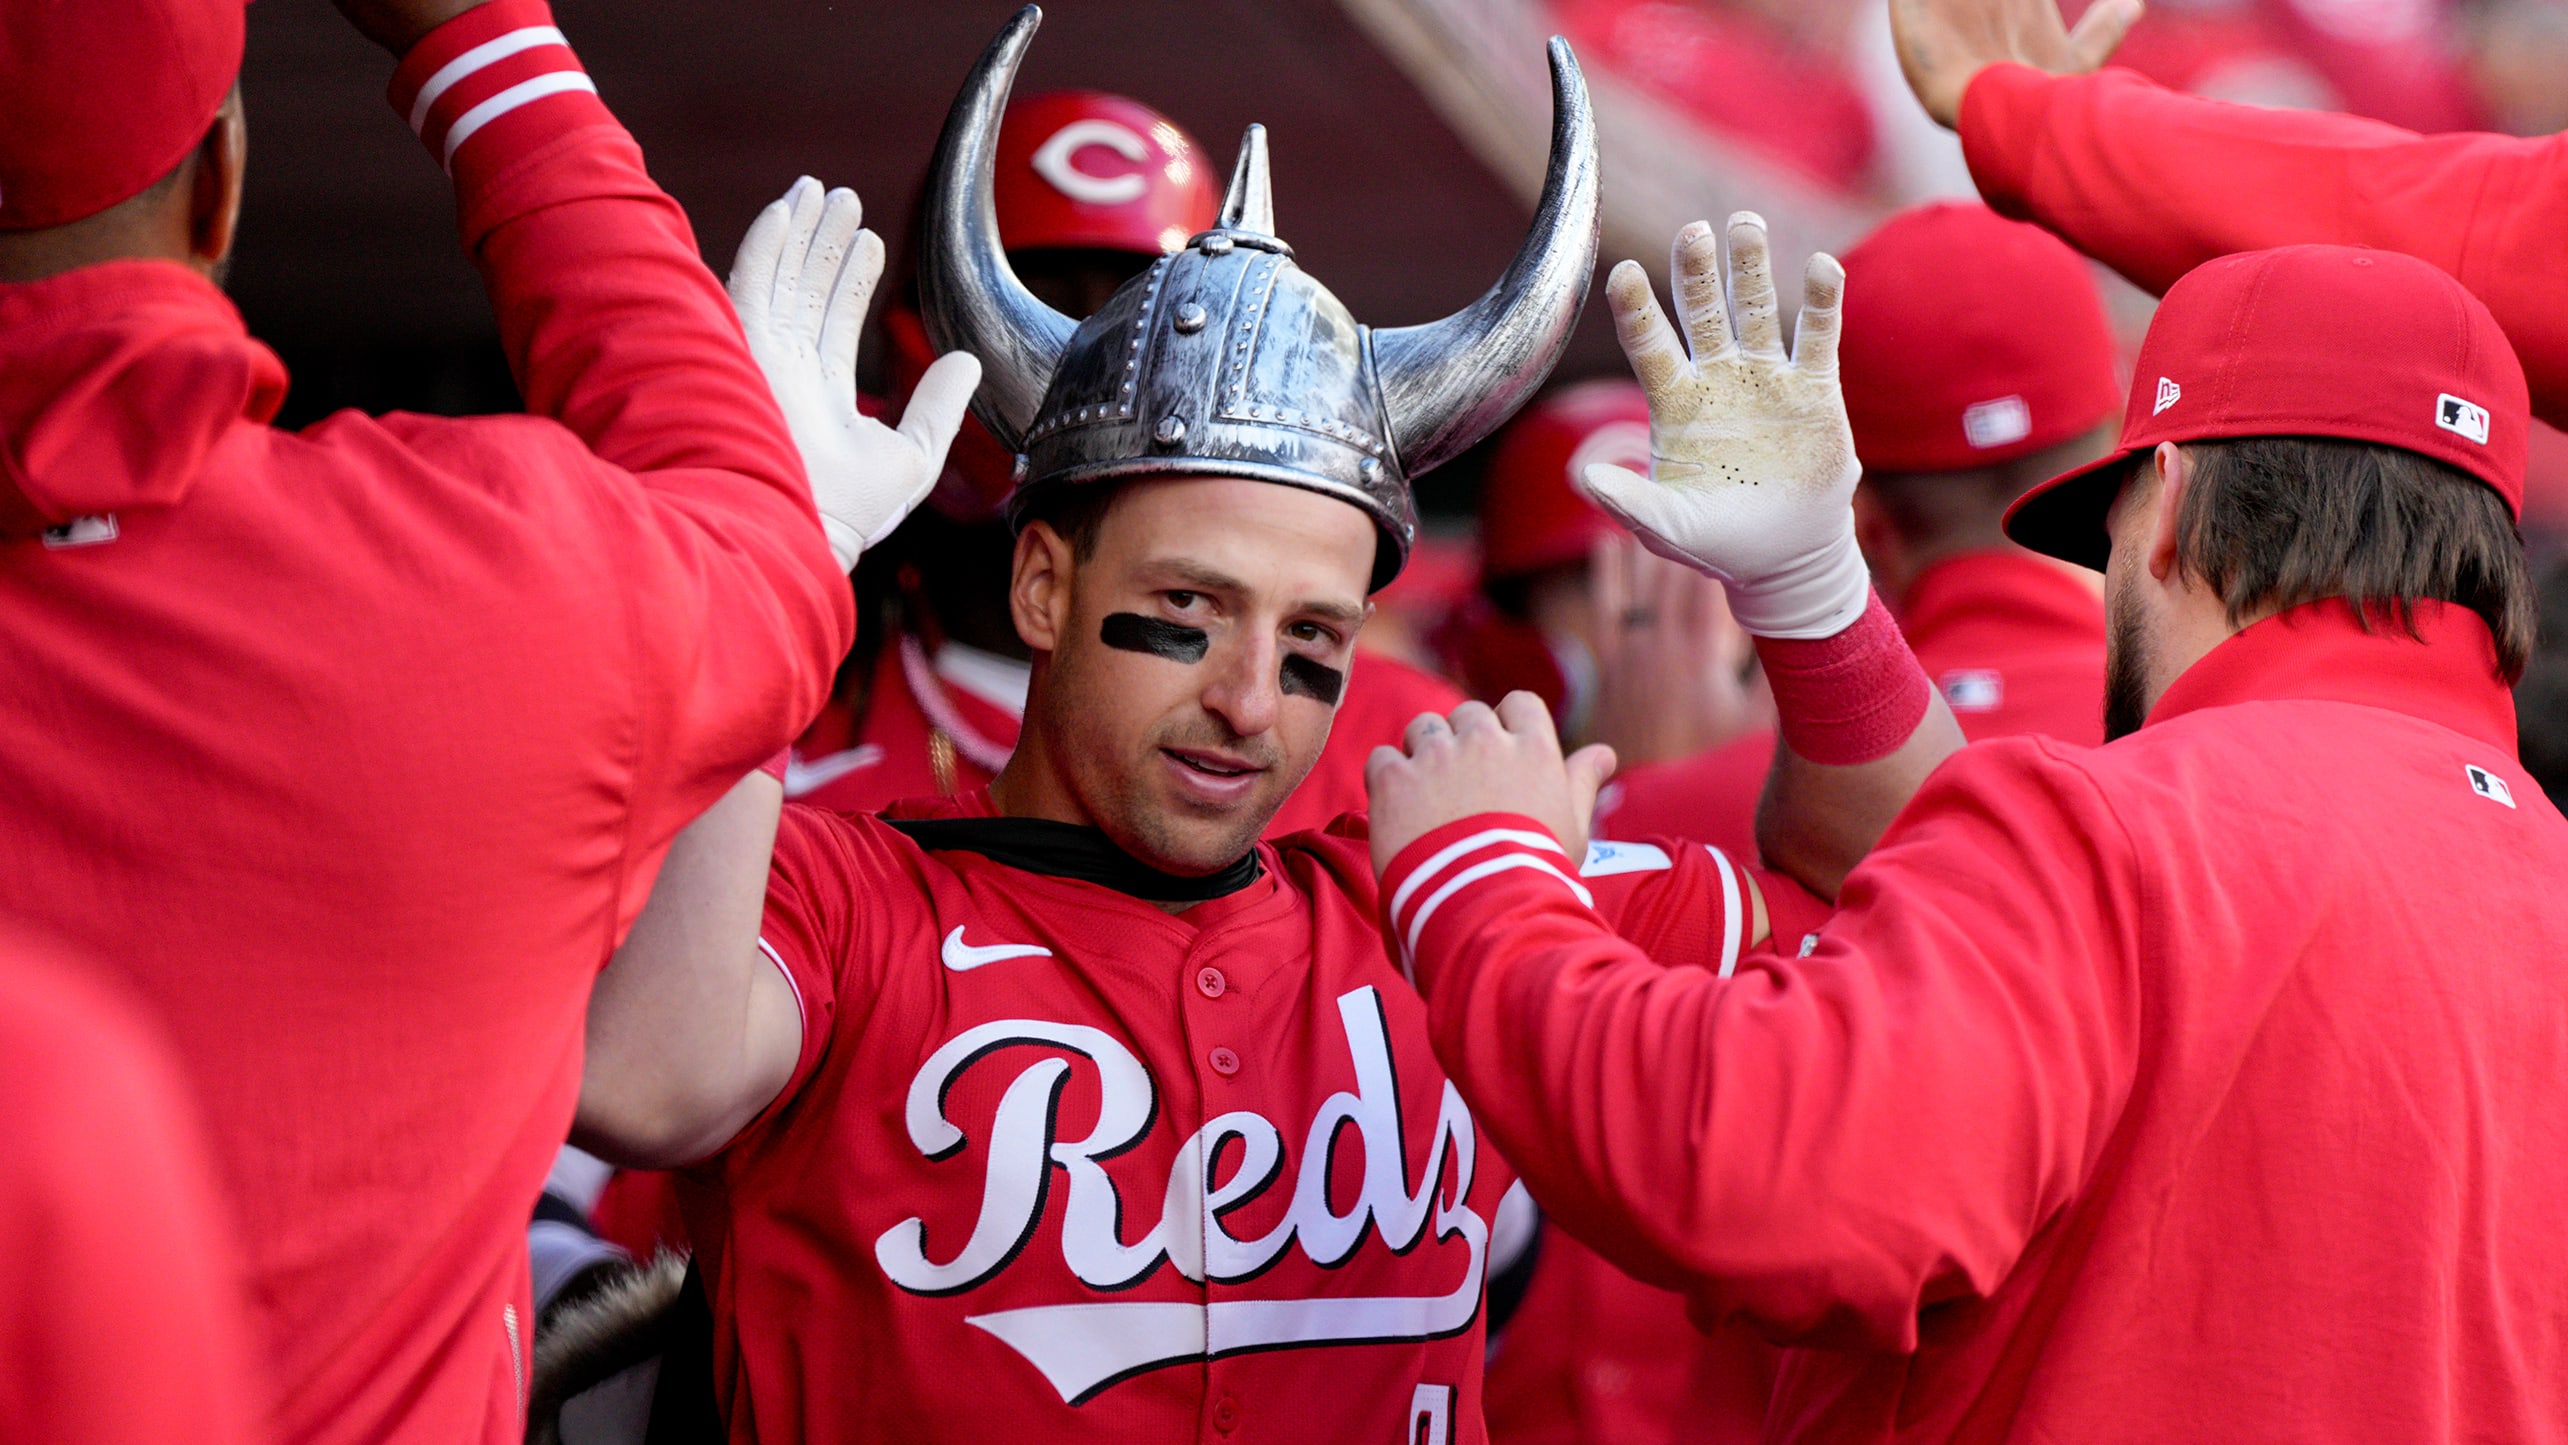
(1052, 161)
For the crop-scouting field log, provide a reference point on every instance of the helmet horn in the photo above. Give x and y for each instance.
(1448, 383)
(968, 294)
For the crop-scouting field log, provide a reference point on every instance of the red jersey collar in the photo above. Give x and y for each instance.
(2028, 591)
(2320, 652)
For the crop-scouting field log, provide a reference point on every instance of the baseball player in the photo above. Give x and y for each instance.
(355, 749)
(2203, 1084)
(1090, 189)
(2154, 183)
(1961, 399)
(1068, 1109)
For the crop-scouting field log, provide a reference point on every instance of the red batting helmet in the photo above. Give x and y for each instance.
(1532, 515)
(1076, 170)
(1083, 168)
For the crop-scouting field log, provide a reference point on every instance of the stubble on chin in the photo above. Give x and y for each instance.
(2126, 665)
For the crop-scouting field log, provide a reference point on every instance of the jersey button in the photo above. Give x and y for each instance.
(1225, 1414)
(1225, 1063)
(1210, 983)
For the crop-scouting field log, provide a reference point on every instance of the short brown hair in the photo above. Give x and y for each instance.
(2270, 523)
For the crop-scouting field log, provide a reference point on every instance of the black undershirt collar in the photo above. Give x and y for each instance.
(1073, 850)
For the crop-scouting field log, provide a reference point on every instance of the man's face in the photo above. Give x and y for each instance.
(1195, 659)
(2131, 617)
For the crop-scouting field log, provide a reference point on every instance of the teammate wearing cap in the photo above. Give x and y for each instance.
(375, 974)
(1960, 401)
(1068, 1109)
(1090, 188)
(2154, 183)
(2198, 1084)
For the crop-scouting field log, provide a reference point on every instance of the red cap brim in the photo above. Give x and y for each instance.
(2064, 517)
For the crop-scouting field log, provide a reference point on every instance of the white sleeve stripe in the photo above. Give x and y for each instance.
(482, 56)
(1473, 874)
(1445, 856)
(1733, 927)
(801, 1014)
(525, 92)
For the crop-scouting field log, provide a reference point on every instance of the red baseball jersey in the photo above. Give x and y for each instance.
(356, 749)
(1059, 1165)
(2015, 643)
(122, 1320)
(2204, 1085)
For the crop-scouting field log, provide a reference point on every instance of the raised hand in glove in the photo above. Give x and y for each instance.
(1753, 463)
(801, 282)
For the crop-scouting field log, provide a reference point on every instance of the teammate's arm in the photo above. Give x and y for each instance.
(1752, 478)
(691, 1029)
(1828, 1144)
(2154, 183)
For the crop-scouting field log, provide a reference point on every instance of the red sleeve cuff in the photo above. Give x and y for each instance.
(1453, 877)
(2001, 126)
(490, 88)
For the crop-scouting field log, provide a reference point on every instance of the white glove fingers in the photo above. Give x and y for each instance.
(937, 404)
(803, 207)
(833, 239)
(1752, 287)
(1694, 272)
(843, 319)
(753, 266)
(1814, 336)
(1648, 342)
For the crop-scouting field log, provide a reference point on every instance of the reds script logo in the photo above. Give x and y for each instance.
(1085, 1346)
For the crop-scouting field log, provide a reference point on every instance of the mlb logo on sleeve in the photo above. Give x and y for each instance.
(2488, 785)
(1972, 689)
(2463, 418)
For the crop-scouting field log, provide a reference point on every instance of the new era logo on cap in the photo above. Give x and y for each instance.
(1996, 423)
(2168, 394)
(2465, 418)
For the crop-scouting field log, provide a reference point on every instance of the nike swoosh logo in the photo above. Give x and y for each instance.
(963, 957)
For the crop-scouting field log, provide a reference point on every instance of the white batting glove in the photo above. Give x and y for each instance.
(801, 282)
(1753, 463)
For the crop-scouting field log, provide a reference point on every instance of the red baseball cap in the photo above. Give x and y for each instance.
(1532, 513)
(2311, 341)
(1970, 340)
(1084, 168)
(100, 98)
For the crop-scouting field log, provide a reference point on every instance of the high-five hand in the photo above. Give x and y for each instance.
(1753, 464)
(1943, 43)
(1483, 760)
(801, 282)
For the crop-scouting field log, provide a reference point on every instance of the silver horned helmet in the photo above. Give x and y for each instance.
(1225, 358)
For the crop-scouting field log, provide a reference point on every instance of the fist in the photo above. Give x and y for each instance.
(1505, 759)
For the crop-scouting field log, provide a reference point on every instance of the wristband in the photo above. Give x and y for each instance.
(1851, 698)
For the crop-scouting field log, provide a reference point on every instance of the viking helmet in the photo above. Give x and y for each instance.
(1225, 358)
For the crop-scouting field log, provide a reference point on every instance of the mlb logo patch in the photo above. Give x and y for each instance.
(1995, 423)
(82, 531)
(2168, 395)
(2488, 785)
(2464, 418)
(1975, 689)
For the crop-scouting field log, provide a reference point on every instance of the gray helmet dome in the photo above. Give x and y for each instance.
(1227, 359)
